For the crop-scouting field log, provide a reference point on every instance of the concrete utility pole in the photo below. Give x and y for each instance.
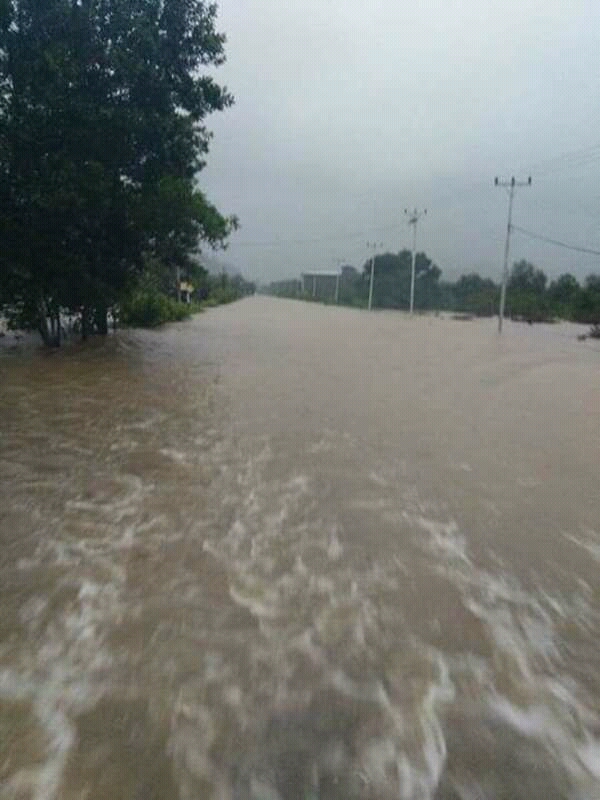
(510, 185)
(338, 265)
(413, 218)
(373, 246)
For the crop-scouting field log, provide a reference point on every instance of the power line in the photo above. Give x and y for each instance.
(317, 240)
(575, 158)
(556, 242)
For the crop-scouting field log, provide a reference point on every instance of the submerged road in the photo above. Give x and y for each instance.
(288, 551)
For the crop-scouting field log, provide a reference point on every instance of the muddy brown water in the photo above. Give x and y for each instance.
(288, 551)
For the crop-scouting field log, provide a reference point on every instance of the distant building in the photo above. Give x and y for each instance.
(322, 284)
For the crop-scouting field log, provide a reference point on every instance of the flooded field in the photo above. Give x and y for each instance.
(294, 552)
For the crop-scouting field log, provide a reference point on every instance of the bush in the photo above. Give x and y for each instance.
(148, 308)
(220, 295)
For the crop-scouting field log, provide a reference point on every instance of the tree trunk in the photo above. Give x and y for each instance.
(48, 333)
(56, 328)
(43, 330)
(101, 320)
(84, 323)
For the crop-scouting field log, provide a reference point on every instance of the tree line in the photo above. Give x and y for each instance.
(530, 296)
(102, 135)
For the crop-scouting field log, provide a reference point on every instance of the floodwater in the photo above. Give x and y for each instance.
(293, 552)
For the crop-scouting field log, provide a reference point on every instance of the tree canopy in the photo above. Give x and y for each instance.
(391, 287)
(102, 134)
(529, 296)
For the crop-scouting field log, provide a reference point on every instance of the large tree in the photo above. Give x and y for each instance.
(392, 274)
(586, 305)
(102, 134)
(526, 292)
(476, 295)
(526, 277)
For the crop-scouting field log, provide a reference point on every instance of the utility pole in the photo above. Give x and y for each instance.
(338, 265)
(510, 185)
(373, 246)
(413, 218)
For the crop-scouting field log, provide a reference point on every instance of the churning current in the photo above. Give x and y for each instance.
(287, 551)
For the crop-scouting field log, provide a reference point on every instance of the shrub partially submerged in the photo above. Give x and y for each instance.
(147, 308)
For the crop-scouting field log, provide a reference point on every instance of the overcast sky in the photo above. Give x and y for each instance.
(347, 112)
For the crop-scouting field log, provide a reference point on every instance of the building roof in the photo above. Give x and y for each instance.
(323, 273)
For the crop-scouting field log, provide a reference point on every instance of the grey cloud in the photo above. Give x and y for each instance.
(347, 112)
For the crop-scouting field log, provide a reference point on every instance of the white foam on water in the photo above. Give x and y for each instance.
(531, 722)
(589, 754)
(61, 680)
(177, 456)
(591, 543)
(334, 548)
(322, 446)
(63, 665)
(378, 479)
(258, 598)
(445, 537)
(540, 702)
(420, 771)
(271, 553)
(113, 512)
(42, 781)
(320, 613)
(153, 421)
(563, 735)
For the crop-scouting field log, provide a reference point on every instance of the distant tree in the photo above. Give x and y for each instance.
(476, 295)
(564, 289)
(391, 286)
(525, 277)
(562, 294)
(102, 104)
(242, 286)
(586, 305)
(592, 283)
(353, 288)
(526, 292)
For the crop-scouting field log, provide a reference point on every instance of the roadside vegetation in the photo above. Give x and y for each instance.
(102, 137)
(147, 305)
(530, 296)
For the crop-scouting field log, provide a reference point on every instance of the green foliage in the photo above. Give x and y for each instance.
(148, 304)
(525, 277)
(219, 296)
(562, 295)
(225, 289)
(473, 294)
(148, 308)
(525, 293)
(528, 296)
(586, 304)
(102, 108)
(391, 285)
